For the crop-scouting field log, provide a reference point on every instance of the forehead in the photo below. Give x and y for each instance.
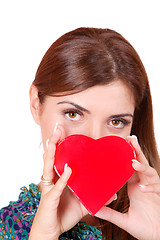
(115, 96)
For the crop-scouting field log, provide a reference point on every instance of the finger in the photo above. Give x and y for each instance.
(112, 216)
(61, 184)
(146, 172)
(139, 154)
(150, 188)
(113, 198)
(48, 172)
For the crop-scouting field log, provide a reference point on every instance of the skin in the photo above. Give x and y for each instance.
(100, 104)
(96, 112)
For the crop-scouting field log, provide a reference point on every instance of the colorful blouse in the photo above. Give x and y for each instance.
(16, 219)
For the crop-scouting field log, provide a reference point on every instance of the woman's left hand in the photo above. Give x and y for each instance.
(143, 217)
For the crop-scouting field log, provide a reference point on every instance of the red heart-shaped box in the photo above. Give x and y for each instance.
(99, 167)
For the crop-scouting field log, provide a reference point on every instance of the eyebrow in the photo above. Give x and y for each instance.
(87, 111)
(76, 106)
(122, 115)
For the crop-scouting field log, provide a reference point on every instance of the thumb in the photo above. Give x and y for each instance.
(117, 218)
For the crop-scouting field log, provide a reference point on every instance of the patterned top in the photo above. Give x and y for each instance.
(17, 218)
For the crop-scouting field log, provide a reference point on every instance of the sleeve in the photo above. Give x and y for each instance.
(12, 226)
(16, 219)
(4, 231)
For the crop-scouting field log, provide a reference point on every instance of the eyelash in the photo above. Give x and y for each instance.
(73, 111)
(122, 121)
(68, 111)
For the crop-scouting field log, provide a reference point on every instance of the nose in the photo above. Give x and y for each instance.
(95, 130)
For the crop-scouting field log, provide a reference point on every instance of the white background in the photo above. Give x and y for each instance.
(27, 29)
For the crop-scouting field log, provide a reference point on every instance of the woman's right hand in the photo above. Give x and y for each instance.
(59, 210)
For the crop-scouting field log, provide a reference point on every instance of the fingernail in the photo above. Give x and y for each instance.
(115, 197)
(132, 137)
(65, 166)
(142, 186)
(55, 128)
(135, 161)
(47, 143)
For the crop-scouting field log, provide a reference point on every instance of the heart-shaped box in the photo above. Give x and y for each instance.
(99, 167)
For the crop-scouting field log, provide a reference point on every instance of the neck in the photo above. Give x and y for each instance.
(90, 220)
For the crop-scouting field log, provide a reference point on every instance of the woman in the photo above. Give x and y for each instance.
(91, 82)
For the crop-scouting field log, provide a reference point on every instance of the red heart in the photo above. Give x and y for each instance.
(99, 167)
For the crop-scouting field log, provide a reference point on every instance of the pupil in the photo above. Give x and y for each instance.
(116, 122)
(72, 115)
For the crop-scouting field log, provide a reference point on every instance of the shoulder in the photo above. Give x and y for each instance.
(16, 219)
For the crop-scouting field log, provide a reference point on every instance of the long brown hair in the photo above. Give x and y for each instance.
(87, 57)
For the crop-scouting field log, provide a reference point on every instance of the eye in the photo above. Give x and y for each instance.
(73, 115)
(115, 122)
(119, 123)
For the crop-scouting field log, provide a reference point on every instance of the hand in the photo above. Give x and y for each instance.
(143, 217)
(59, 210)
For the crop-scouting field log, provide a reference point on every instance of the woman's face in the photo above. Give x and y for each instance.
(96, 112)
